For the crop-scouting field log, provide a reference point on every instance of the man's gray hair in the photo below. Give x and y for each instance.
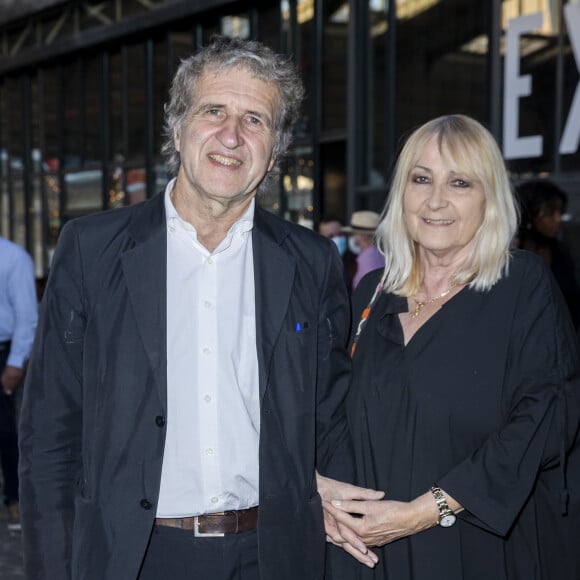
(223, 54)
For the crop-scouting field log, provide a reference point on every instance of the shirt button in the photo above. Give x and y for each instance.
(209, 451)
(215, 499)
(159, 421)
(145, 504)
(210, 260)
(206, 351)
(207, 398)
(207, 304)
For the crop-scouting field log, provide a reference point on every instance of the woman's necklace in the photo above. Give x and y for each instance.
(420, 304)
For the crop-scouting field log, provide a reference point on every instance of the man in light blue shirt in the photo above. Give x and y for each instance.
(18, 316)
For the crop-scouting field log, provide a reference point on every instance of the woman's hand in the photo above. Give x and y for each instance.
(378, 523)
(338, 534)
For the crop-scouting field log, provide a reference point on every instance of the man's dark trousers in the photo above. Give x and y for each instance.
(8, 437)
(179, 555)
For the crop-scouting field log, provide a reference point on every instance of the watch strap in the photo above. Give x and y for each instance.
(441, 502)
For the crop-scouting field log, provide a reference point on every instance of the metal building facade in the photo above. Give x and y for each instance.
(83, 83)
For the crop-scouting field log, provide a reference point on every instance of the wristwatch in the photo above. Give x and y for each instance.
(446, 516)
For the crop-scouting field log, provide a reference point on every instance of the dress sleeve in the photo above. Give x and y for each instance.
(540, 409)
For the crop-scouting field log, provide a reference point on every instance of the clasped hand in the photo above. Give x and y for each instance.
(357, 517)
(377, 523)
(338, 532)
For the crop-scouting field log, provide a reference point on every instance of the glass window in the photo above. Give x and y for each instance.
(334, 63)
(4, 200)
(374, 171)
(570, 160)
(237, 26)
(136, 182)
(15, 145)
(527, 117)
(303, 51)
(49, 79)
(298, 187)
(180, 46)
(83, 176)
(117, 131)
(333, 163)
(4, 193)
(83, 192)
(50, 99)
(269, 26)
(18, 205)
(93, 135)
(441, 59)
(71, 93)
(117, 118)
(36, 211)
(136, 102)
(160, 96)
(568, 144)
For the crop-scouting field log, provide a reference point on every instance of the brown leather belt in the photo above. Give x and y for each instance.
(215, 525)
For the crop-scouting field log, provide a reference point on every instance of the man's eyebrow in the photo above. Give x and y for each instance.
(260, 114)
(207, 106)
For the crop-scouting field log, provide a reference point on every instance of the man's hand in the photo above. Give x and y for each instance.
(11, 378)
(337, 532)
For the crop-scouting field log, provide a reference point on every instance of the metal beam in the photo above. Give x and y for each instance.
(56, 28)
(96, 12)
(158, 18)
(21, 39)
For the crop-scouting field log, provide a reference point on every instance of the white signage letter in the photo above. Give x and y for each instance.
(516, 86)
(571, 135)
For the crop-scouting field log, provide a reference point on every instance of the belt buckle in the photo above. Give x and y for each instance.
(199, 534)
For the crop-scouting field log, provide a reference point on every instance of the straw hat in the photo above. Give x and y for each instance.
(362, 222)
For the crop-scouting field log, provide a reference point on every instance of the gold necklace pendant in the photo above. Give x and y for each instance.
(418, 308)
(419, 305)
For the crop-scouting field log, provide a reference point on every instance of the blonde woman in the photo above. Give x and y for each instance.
(464, 405)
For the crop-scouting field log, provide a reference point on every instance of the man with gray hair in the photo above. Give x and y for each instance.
(189, 372)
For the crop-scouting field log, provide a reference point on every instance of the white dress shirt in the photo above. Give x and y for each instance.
(210, 463)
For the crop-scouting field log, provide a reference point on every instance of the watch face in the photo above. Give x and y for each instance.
(447, 521)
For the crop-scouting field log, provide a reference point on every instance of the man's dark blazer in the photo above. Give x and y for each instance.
(93, 418)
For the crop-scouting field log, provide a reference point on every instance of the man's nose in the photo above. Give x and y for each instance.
(230, 134)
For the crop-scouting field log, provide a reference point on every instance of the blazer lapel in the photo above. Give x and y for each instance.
(273, 274)
(145, 267)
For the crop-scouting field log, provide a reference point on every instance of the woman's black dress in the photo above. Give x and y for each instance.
(483, 400)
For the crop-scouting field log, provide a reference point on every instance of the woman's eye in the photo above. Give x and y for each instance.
(420, 179)
(461, 183)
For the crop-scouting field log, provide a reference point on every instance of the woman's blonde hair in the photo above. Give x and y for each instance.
(476, 153)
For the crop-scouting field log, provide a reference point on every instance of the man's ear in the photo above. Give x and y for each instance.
(176, 137)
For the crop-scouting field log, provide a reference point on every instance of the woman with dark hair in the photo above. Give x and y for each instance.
(543, 204)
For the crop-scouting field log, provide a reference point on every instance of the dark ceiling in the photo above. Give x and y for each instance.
(16, 9)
